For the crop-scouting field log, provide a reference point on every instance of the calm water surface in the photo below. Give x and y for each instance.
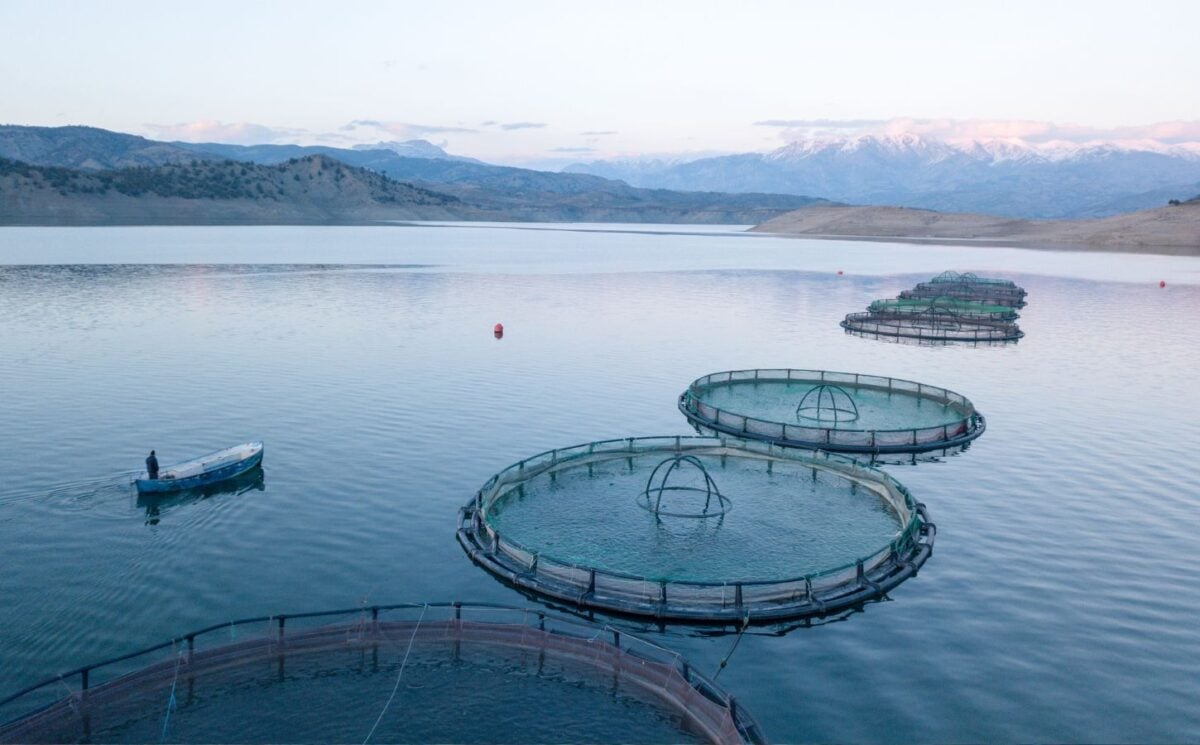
(1060, 603)
(830, 408)
(780, 525)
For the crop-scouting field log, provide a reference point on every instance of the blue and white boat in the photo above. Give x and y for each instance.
(205, 470)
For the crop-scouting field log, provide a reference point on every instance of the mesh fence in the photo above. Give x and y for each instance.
(966, 309)
(640, 668)
(842, 439)
(932, 327)
(1013, 297)
(816, 593)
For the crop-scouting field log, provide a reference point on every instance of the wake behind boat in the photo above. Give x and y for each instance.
(205, 470)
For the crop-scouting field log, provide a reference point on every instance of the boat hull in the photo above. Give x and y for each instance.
(207, 478)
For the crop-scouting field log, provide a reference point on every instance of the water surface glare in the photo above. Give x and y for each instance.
(1060, 602)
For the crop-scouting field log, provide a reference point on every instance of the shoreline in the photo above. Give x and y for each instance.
(1172, 230)
(1014, 242)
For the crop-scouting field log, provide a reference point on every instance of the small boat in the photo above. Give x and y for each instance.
(205, 470)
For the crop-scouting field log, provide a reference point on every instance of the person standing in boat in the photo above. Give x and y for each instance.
(152, 466)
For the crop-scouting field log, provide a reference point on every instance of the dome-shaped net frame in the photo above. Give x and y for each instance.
(827, 403)
(970, 278)
(818, 593)
(659, 485)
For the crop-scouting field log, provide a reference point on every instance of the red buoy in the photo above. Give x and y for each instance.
(498, 330)
(1162, 283)
(839, 272)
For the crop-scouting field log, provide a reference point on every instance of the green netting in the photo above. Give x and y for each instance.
(967, 309)
(971, 278)
(968, 286)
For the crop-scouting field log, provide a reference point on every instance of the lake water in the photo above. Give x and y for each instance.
(1060, 602)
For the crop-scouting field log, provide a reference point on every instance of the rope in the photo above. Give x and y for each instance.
(725, 659)
(396, 687)
(171, 703)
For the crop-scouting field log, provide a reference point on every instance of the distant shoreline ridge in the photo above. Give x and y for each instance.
(1174, 229)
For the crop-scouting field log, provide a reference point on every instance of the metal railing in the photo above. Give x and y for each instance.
(277, 634)
(642, 594)
(832, 438)
(1012, 297)
(925, 327)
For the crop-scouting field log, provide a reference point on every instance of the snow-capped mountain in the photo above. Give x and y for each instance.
(413, 149)
(1000, 176)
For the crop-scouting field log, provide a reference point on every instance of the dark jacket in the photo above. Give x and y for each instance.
(152, 466)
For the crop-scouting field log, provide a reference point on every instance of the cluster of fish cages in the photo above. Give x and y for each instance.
(950, 308)
(969, 286)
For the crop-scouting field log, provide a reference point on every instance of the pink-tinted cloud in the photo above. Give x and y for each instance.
(404, 130)
(951, 130)
(237, 133)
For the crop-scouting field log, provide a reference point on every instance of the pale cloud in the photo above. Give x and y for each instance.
(236, 133)
(405, 130)
(951, 130)
(510, 126)
(572, 149)
(842, 124)
(523, 125)
(599, 132)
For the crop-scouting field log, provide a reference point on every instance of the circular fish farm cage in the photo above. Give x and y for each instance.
(968, 286)
(890, 415)
(388, 674)
(798, 535)
(934, 325)
(971, 310)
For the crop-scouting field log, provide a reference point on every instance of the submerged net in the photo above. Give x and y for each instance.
(330, 682)
(808, 534)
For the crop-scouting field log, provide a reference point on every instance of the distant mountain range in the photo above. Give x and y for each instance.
(1009, 178)
(478, 190)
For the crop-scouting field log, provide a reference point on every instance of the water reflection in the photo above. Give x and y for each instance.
(156, 505)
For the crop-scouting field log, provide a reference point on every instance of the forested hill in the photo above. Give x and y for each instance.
(315, 189)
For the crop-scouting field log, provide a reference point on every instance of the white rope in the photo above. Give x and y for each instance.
(396, 687)
(171, 703)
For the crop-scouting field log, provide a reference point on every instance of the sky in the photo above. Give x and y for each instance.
(530, 82)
